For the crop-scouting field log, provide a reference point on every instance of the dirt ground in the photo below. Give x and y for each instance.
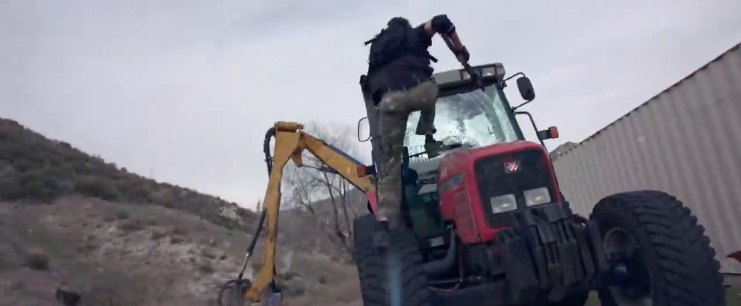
(126, 254)
(119, 254)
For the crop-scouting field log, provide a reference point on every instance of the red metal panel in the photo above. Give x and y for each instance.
(462, 202)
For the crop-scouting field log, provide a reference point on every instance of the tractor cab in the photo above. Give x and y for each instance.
(471, 114)
(467, 114)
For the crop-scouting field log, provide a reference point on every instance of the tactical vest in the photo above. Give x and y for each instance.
(394, 42)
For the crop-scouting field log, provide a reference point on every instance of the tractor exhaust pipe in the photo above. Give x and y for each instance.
(442, 266)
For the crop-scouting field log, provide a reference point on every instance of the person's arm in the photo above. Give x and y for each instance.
(442, 25)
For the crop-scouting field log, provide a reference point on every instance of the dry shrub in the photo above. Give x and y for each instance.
(86, 248)
(98, 187)
(205, 267)
(131, 225)
(37, 259)
(109, 218)
(177, 230)
(208, 254)
(158, 234)
(122, 215)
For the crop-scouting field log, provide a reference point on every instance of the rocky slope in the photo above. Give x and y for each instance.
(71, 220)
(34, 168)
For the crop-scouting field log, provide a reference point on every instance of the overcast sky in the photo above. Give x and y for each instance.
(184, 90)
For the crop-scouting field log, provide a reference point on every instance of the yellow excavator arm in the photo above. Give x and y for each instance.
(290, 142)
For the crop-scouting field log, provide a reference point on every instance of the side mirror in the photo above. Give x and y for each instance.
(550, 133)
(526, 88)
(364, 129)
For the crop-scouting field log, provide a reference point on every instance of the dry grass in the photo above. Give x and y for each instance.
(145, 258)
(176, 240)
(114, 289)
(343, 293)
(346, 291)
(178, 231)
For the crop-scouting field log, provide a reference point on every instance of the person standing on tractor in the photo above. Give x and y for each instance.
(399, 82)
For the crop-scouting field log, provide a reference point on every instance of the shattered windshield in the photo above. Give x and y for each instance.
(476, 118)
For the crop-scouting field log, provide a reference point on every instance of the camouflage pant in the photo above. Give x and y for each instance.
(395, 108)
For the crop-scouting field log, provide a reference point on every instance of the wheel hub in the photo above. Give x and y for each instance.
(629, 280)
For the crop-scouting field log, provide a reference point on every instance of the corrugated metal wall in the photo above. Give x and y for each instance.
(685, 141)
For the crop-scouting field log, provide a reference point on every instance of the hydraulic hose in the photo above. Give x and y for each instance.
(269, 163)
(266, 149)
(253, 243)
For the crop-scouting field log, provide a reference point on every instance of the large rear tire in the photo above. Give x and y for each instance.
(395, 275)
(363, 228)
(576, 299)
(657, 252)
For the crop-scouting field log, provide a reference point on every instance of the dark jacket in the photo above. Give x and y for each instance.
(411, 68)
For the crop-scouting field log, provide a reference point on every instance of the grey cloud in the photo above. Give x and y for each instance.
(186, 89)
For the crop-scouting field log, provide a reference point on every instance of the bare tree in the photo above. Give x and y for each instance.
(300, 184)
(312, 185)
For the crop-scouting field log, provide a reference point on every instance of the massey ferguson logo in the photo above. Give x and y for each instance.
(511, 166)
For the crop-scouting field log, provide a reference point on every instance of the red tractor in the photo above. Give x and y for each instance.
(486, 223)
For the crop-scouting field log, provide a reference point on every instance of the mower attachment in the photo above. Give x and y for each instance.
(234, 293)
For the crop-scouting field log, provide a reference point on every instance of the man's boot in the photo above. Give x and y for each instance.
(433, 147)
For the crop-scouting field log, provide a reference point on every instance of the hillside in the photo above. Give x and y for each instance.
(34, 168)
(73, 220)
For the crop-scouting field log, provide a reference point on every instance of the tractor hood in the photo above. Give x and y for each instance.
(427, 168)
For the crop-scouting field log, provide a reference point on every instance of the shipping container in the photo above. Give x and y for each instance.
(685, 141)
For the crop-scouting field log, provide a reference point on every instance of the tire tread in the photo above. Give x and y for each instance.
(685, 266)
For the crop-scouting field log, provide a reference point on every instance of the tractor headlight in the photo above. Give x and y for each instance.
(503, 203)
(537, 196)
(488, 71)
(496, 70)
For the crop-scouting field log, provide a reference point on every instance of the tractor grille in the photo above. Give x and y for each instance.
(497, 175)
